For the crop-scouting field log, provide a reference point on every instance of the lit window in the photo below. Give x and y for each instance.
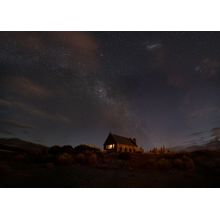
(110, 146)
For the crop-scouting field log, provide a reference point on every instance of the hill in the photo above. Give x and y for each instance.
(18, 145)
(213, 145)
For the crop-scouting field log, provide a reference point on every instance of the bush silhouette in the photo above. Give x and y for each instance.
(67, 149)
(178, 163)
(80, 158)
(188, 163)
(124, 156)
(65, 159)
(4, 168)
(20, 157)
(164, 164)
(83, 148)
(55, 150)
(49, 165)
(92, 159)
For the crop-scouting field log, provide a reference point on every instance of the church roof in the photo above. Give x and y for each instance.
(124, 140)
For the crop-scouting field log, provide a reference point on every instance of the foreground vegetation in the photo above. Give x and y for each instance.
(87, 166)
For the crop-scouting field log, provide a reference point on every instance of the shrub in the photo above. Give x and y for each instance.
(143, 163)
(65, 159)
(67, 149)
(178, 163)
(124, 156)
(92, 159)
(186, 158)
(164, 164)
(83, 148)
(20, 157)
(4, 168)
(49, 166)
(55, 150)
(80, 158)
(189, 165)
(200, 160)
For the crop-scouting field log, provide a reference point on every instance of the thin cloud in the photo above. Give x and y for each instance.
(151, 46)
(195, 134)
(5, 103)
(28, 87)
(201, 113)
(215, 132)
(34, 111)
(16, 124)
(83, 48)
(82, 41)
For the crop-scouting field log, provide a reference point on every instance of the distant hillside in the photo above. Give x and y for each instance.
(212, 145)
(17, 145)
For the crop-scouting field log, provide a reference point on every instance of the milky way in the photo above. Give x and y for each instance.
(76, 87)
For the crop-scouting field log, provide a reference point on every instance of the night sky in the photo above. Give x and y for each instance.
(75, 87)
